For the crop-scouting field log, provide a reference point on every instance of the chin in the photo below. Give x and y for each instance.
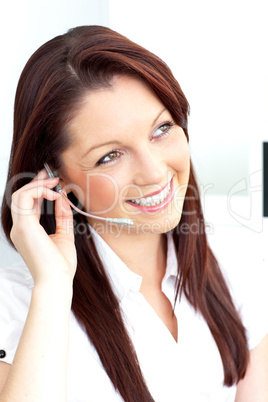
(170, 224)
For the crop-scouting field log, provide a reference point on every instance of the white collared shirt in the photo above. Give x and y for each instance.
(185, 371)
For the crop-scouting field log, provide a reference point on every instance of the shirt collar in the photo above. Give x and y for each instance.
(172, 262)
(120, 276)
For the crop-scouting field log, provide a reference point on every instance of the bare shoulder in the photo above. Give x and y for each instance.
(254, 387)
(4, 371)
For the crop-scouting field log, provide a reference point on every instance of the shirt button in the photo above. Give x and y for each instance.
(2, 354)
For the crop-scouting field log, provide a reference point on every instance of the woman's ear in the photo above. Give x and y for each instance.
(64, 185)
(55, 173)
(70, 187)
(63, 182)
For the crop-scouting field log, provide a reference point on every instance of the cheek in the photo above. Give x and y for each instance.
(101, 194)
(180, 160)
(181, 165)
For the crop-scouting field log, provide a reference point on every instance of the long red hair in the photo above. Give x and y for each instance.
(51, 85)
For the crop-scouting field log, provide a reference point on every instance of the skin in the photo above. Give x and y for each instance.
(131, 117)
(127, 112)
(51, 261)
(254, 387)
(146, 155)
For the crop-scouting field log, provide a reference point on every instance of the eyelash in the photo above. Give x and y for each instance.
(169, 125)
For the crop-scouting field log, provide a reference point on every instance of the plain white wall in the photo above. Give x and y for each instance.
(26, 25)
(217, 50)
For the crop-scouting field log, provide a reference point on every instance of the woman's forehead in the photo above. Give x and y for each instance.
(109, 110)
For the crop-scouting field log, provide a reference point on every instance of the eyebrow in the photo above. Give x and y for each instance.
(115, 142)
(159, 114)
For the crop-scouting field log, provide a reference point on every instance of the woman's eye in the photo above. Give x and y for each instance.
(163, 130)
(110, 157)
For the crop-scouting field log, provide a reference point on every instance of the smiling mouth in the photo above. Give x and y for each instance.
(152, 200)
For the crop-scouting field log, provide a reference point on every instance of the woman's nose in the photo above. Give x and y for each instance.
(149, 168)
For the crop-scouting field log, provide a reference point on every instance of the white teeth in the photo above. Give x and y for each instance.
(154, 199)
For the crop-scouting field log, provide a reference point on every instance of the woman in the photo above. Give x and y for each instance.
(148, 302)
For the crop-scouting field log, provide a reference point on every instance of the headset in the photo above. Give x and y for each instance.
(58, 189)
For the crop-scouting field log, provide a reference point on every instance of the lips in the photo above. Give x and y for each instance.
(154, 201)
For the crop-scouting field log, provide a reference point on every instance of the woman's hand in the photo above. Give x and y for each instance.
(35, 371)
(47, 257)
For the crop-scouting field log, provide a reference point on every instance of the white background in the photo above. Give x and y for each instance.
(217, 50)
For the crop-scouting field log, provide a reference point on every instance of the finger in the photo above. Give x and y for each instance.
(63, 216)
(43, 174)
(41, 179)
(23, 202)
(50, 183)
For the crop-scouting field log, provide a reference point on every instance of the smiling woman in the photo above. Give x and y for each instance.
(98, 311)
(144, 167)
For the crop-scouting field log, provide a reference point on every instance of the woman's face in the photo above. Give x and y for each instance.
(128, 159)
